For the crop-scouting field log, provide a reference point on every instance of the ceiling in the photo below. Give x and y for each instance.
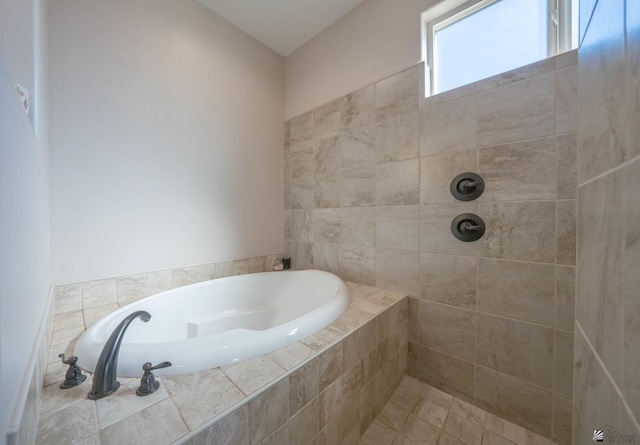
(282, 25)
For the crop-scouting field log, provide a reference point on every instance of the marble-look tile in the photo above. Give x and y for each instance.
(413, 322)
(304, 425)
(327, 159)
(397, 139)
(435, 229)
(513, 399)
(515, 75)
(565, 297)
(183, 276)
(331, 402)
(253, 374)
(506, 429)
(352, 383)
(358, 264)
(567, 152)
(302, 225)
(328, 257)
(525, 291)
(357, 148)
(64, 337)
(77, 421)
(68, 298)
(61, 348)
(55, 372)
(464, 429)
(448, 127)
(446, 373)
(491, 438)
(358, 186)
(562, 419)
(378, 434)
(321, 339)
(515, 348)
(427, 100)
(398, 183)
(600, 268)
(94, 314)
(301, 127)
(158, 424)
(397, 270)
(398, 227)
(126, 403)
(291, 356)
(520, 171)
(279, 436)
(304, 385)
(68, 320)
(631, 277)
(301, 158)
(420, 431)
(268, 411)
(301, 254)
(603, 120)
(448, 329)
(131, 288)
(358, 226)
(358, 108)
(257, 265)
(232, 429)
(326, 225)
(397, 95)
(98, 293)
(204, 400)
(566, 232)
(56, 399)
(437, 172)
(159, 281)
(331, 365)
(595, 399)
(302, 192)
(519, 230)
(521, 110)
(430, 412)
(448, 279)
(566, 99)
(566, 58)
(327, 118)
(446, 439)
(177, 383)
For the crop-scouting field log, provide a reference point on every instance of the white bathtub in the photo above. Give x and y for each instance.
(218, 322)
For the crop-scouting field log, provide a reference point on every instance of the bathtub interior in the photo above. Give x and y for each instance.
(257, 304)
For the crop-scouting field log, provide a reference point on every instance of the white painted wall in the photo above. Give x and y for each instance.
(166, 142)
(376, 39)
(24, 197)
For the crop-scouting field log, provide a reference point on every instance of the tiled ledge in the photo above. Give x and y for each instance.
(327, 388)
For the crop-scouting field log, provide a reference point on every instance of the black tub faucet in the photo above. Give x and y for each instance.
(104, 379)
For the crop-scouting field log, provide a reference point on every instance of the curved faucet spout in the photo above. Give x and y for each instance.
(104, 379)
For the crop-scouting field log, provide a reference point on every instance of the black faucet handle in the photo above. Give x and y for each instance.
(74, 375)
(148, 384)
(149, 367)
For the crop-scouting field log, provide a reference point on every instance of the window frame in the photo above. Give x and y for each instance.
(560, 34)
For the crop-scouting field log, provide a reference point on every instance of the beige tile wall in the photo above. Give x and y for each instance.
(367, 196)
(607, 361)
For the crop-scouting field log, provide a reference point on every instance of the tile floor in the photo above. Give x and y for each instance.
(418, 414)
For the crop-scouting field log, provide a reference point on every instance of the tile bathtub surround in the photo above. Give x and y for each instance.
(370, 201)
(327, 388)
(102, 296)
(419, 414)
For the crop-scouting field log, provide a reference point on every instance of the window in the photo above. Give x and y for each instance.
(482, 38)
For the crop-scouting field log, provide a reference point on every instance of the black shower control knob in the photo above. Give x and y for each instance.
(467, 186)
(467, 227)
